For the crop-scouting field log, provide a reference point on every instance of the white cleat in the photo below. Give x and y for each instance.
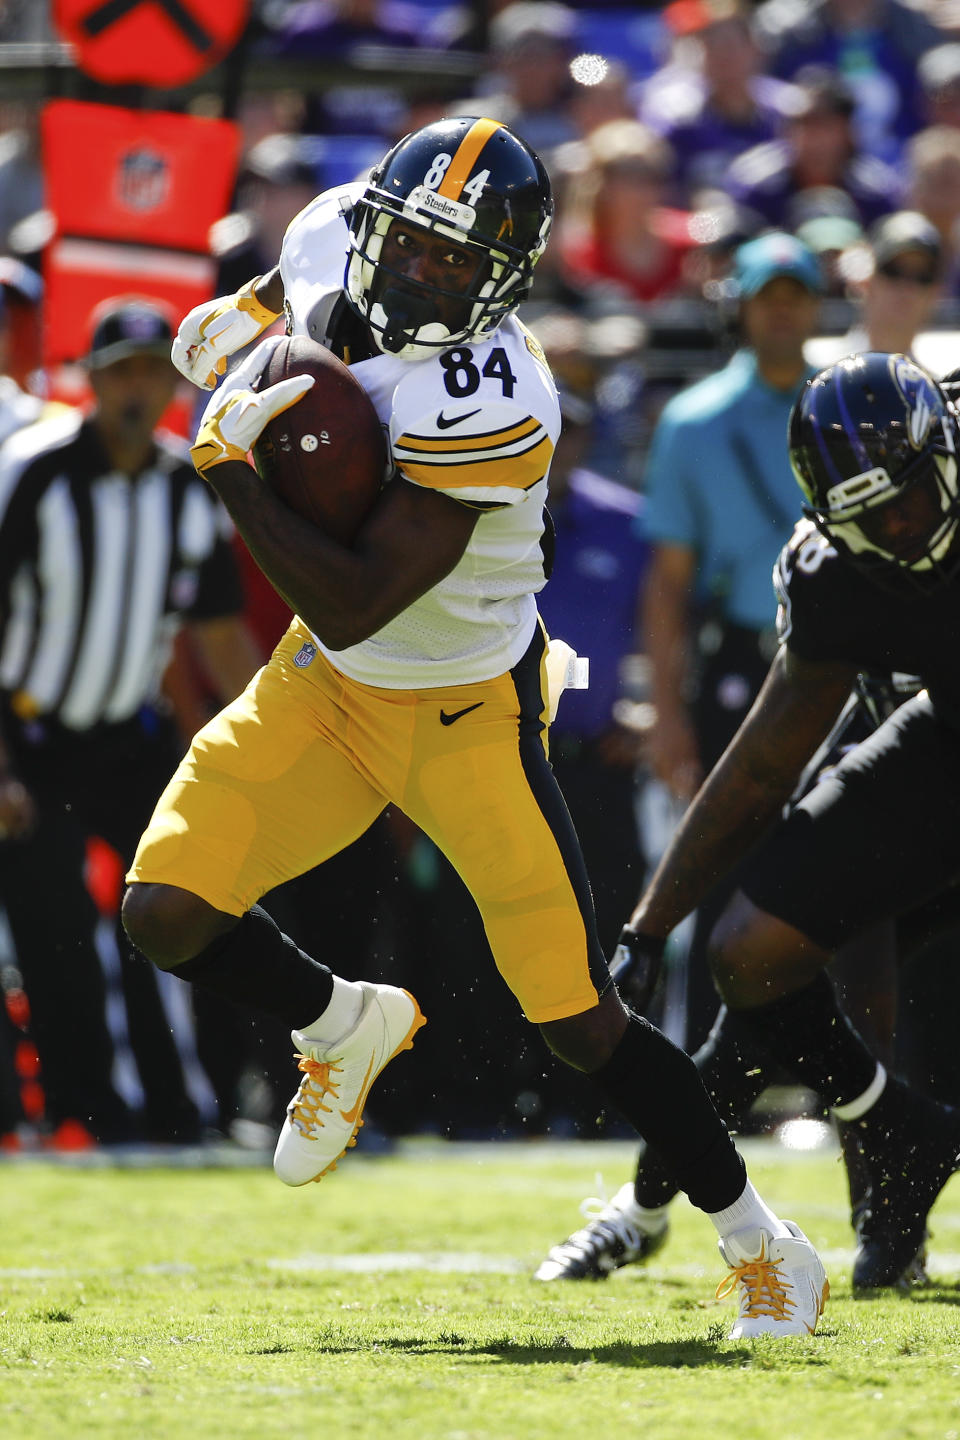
(327, 1111)
(782, 1283)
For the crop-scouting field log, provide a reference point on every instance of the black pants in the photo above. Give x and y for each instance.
(102, 782)
(874, 839)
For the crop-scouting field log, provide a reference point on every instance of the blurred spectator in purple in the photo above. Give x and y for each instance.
(939, 76)
(529, 87)
(334, 27)
(874, 44)
(818, 149)
(616, 232)
(625, 402)
(933, 188)
(462, 24)
(335, 30)
(600, 562)
(711, 101)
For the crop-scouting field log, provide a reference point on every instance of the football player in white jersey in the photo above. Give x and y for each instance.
(415, 673)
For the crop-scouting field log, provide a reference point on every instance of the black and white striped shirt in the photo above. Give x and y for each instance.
(98, 569)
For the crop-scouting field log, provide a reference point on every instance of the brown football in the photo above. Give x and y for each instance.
(326, 455)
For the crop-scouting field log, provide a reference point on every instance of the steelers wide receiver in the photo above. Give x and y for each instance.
(415, 673)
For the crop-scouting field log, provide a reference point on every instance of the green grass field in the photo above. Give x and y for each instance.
(395, 1299)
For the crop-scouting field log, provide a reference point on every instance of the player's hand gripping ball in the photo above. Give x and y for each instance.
(325, 455)
(235, 417)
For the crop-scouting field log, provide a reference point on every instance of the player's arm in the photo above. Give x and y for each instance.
(268, 290)
(409, 541)
(746, 789)
(412, 537)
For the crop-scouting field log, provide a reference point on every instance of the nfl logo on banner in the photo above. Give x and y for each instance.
(305, 655)
(143, 180)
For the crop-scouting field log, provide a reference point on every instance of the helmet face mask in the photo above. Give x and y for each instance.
(468, 181)
(399, 303)
(873, 445)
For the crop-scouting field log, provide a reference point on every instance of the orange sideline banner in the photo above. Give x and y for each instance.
(134, 194)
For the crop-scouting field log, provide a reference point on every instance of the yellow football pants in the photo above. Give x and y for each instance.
(305, 759)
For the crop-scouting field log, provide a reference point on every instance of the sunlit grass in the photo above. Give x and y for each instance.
(395, 1299)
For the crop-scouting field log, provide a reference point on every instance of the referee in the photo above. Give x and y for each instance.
(109, 540)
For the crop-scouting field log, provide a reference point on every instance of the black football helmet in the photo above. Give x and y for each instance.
(474, 182)
(865, 433)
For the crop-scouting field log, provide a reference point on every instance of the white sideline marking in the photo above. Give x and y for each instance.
(443, 1262)
(941, 1264)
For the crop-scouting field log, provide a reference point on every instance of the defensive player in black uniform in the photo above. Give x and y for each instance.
(870, 581)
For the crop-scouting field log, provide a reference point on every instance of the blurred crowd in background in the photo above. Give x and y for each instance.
(672, 135)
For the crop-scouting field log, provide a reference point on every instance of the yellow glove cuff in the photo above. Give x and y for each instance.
(250, 305)
(210, 448)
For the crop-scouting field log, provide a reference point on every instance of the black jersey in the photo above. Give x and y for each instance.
(830, 610)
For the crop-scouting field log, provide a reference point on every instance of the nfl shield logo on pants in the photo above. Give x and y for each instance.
(305, 655)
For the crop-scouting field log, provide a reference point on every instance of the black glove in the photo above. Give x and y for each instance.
(635, 967)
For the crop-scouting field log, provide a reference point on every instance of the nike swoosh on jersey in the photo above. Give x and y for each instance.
(348, 1116)
(444, 424)
(446, 719)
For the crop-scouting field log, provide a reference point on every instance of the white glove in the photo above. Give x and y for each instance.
(211, 332)
(232, 423)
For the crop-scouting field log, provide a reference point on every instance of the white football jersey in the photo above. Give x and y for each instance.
(477, 422)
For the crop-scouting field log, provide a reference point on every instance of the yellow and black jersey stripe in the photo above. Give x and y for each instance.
(487, 468)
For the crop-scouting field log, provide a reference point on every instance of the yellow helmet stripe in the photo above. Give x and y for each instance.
(458, 171)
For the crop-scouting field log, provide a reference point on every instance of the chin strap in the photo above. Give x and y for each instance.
(405, 313)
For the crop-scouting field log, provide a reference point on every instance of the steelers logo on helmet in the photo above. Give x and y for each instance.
(467, 180)
(873, 444)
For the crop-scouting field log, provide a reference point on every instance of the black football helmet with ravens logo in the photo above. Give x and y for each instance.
(468, 180)
(873, 444)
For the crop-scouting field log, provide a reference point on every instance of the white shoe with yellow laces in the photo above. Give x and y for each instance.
(781, 1281)
(327, 1111)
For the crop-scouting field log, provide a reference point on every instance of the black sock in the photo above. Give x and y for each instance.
(813, 1038)
(735, 1069)
(257, 965)
(657, 1087)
